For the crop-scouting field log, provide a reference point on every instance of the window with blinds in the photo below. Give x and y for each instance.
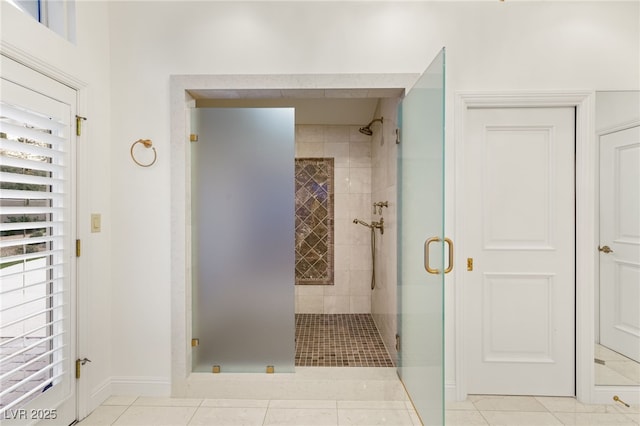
(59, 16)
(34, 217)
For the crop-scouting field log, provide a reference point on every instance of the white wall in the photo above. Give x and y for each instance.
(490, 46)
(351, 151)
(84, 66)
(615, 108)
(384, 162)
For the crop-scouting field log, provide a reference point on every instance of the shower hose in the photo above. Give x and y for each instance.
(373, 258)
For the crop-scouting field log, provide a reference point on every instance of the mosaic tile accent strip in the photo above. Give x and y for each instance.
(339, 340)
(314, 220)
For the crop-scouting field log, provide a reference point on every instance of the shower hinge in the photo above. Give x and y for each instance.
(195, 342)
(193, 137)
(79, 364)
(215, 369)
(271, 369)
(78, 248)
(397, 136)
(79, 121)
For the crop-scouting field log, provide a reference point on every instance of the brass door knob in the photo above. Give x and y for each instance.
(605, 249)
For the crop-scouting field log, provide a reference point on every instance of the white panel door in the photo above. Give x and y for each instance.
(620, 232)
(520, 232)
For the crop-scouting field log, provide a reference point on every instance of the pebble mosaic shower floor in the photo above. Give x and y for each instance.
(339, 340)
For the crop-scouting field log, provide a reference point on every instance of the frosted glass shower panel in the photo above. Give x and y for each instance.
(421, 242)
(242, 171)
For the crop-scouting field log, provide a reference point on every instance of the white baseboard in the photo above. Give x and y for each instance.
(140, 386)
(450, 391)
(100, 393)
(96, 397)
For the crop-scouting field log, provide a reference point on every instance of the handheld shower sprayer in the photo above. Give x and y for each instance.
(372, 226)
(361, 222)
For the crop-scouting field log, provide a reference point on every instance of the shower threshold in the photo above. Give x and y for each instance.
(339, 340)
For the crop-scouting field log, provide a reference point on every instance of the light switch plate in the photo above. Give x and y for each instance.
(96, 224)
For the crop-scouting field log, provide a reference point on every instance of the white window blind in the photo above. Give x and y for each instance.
(34, 233)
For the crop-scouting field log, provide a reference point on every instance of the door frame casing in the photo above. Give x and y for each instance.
(586, 226)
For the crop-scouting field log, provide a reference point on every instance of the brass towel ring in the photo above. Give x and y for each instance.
(147, 144)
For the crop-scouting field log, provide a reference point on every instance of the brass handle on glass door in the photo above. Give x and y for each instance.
(450, 267)
(426, 255)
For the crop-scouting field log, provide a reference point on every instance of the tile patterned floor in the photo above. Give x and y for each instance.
(339, 340)
(134, 411)
(490, 410)
(477, 410)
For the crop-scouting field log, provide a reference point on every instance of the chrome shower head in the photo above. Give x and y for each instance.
(366, 130)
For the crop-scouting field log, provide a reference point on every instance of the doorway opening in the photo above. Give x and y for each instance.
(334, 177)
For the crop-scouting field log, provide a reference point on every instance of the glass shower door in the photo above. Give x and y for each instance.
(421, 243)
(242, 192)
